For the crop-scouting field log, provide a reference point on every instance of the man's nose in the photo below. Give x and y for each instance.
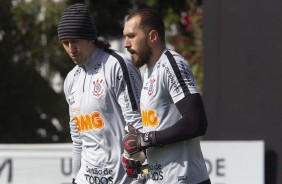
(127, 43)
(72, 47)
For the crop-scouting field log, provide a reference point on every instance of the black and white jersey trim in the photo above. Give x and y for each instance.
(177, 72)
(126, 77)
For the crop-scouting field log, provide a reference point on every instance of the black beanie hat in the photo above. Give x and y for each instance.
(77, 23)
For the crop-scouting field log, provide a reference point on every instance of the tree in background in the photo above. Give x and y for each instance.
(185, 34)
(30, 109)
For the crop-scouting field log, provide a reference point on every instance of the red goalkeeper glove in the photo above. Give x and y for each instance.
(132, 167)
(135, 141)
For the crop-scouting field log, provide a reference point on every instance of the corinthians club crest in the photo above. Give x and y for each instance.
(98, 88)
(151, 90)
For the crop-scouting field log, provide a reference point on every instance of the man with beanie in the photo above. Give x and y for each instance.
(103, 93)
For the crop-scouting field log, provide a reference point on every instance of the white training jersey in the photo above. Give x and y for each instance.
(167, 82)
(103, 96)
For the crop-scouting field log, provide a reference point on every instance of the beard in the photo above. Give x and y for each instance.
(144, 55)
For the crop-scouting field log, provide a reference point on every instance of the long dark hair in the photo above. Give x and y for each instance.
(102, 44)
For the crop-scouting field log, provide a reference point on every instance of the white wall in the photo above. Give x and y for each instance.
(228, 162)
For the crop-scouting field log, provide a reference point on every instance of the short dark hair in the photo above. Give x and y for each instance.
(150, 19)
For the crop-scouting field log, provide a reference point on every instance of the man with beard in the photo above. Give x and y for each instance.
(173, 114)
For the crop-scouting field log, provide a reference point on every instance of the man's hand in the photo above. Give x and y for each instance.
(135, 141)
(132, 167)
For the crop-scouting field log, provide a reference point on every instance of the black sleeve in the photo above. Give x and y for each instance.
(192, 124)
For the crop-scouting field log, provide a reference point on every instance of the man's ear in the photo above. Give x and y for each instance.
(154, 36)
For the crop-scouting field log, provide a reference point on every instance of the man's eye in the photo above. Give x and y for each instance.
(65, 42)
